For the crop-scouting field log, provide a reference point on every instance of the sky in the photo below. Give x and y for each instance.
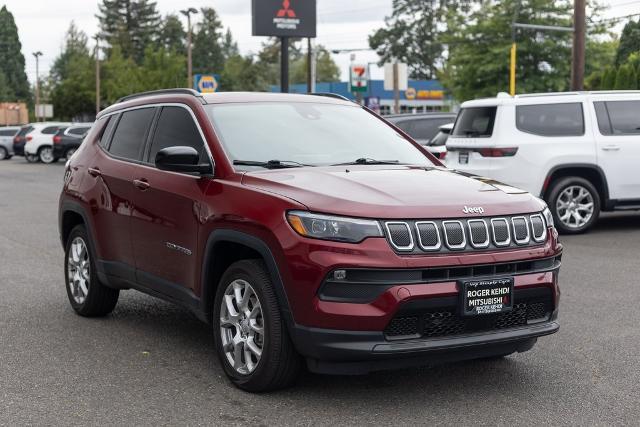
(342, 24)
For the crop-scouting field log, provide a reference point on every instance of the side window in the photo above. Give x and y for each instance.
(623, 117)
(427, 128)
(405, 125)
(131, 132)
(604, 124)
(176, 127)
(78, 131)
(108, 130)
(551, 119)
(50, 130)
(7, 132)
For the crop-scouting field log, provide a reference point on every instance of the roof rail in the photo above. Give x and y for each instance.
(330, 95)
(175, 91)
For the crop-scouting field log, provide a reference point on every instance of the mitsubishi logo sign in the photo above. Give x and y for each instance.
(286, 11)
(284, 18)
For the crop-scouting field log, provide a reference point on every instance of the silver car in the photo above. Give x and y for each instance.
(6, 141)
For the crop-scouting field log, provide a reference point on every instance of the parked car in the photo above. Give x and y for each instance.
(7, 133)
(67, 140)
(423, 127)
(578, 151)
(39, 141)
(438, 145)
(303, 228)
(20, 139)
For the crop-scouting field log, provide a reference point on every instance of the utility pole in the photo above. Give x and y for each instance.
(187, 13)
(97, 37)
(37, 55)
(579, 29)
(396, 88)
(514, 47)
(309, 65)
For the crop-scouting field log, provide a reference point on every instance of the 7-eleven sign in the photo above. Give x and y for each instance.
(359, 78)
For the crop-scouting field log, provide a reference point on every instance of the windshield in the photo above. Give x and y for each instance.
(309, 134)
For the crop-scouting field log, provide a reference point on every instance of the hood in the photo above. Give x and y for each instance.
(393, 192)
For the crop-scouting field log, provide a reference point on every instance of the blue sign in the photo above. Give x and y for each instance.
(206, 83)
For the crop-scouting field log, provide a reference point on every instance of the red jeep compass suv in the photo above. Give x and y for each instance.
(303, 228)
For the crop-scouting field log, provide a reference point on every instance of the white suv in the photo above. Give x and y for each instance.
(580, 151)
(39, 144)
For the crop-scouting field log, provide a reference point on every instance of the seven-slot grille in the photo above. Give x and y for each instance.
(466, 234)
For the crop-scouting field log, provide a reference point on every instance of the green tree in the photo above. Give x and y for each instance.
(72, 77)
(208, 55)
(162, 69)
(229, 46)
(130, 24)
(608, 79)
(121, 76)
(478, 62)
(326, 69)
(626, 78)
(172, 34)
(629, 42)
(413, 33)
(242, 73)
(11, 59)
(6, 92)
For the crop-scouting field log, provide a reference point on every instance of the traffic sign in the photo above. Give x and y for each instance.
(206, 83)
(359, 78)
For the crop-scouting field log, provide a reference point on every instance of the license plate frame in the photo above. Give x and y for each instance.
(473, 303)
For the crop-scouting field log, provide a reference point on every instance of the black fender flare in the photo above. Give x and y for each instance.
(234, 236)
(75, 207)
(590, 166)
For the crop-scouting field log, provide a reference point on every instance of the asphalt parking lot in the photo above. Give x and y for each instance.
(152, 363)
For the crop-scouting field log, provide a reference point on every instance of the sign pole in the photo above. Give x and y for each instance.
(284, 64)
(396, 89)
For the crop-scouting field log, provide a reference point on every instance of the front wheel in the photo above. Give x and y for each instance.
(45, 154)
(250, 334)
(87, 295)
(31, 158)
(575, 205)
(70, 152)
(4, 154)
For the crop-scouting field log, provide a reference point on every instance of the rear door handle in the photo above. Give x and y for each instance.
(141, 184)
(94, 172)
(611, 148)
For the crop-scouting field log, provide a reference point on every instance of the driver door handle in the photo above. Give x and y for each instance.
(141, 184)
(611, 148)
(95, 172)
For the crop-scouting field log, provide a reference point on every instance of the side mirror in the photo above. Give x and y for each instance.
(181, 159)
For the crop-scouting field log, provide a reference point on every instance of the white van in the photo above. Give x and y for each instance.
(580, 151)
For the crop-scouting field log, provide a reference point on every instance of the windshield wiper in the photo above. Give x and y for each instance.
(270, 164)
(368, 161)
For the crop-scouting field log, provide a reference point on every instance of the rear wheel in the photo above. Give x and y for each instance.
(45, 154)
(69, 153)
(4, 154)
(250, 334)
(31, 158)
(87, 295)
(575, 204)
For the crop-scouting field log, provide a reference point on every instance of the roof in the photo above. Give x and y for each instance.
(551, 97)
(417, 116)
(239, 97)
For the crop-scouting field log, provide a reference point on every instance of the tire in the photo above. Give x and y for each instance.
(45, 155)
(278, 364)
(580, 192)
(70, 152)
(4, 154)
(98, 300)
(31, 158)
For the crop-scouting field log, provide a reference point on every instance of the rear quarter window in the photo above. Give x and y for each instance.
(50, 130)
(7, 132)
(475, 122)
(618, 117)
(551, 119)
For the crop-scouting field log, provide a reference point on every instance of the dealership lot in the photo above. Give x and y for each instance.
(154, 363)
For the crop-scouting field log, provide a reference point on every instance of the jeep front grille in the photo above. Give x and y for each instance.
(417, 236)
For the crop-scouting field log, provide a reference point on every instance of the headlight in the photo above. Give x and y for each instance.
(338, 228)
(548, 217)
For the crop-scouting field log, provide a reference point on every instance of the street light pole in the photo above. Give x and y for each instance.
(187, 13)
(37, 55)
(577, 63)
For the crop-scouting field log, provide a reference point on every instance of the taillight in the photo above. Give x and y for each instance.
(57, 139)
(443, 155)
(498, 152)
(29, 138)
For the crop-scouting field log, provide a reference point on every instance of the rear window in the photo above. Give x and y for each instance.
(551, 119)
(78, 131)
(50, 130)
(618, 117)
(7, 132)
(130, 135)
(25, 130)
(475, 122)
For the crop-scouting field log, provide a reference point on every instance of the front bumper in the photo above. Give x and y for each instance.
(357, 352)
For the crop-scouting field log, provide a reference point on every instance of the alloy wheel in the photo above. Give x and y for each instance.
(78, 270)
(70, 153)
(46, 155)
(242, 326)
(3, 153)
(575, 206)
